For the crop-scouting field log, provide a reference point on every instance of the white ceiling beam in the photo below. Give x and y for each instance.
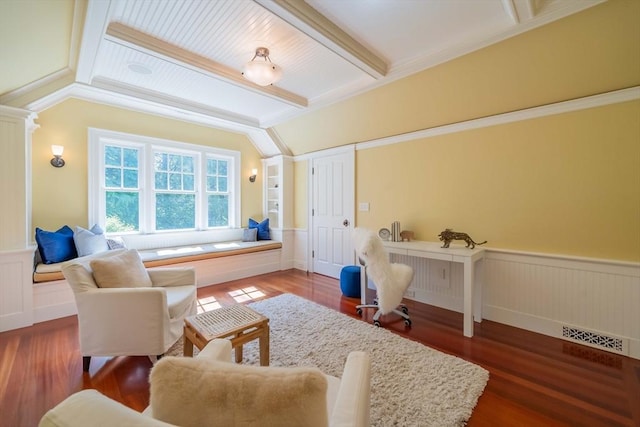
(138, 39)
(521, 10)
(95, 24)
(305, 18)
(510, 9)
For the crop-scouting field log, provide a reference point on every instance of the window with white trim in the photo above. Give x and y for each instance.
(139, 184)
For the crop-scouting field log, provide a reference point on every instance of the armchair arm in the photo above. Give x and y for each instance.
(353, 404)
(122, 321)
(217, 349)
(91, 408)
(173, 276)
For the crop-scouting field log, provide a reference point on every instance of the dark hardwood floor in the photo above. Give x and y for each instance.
(534, 380)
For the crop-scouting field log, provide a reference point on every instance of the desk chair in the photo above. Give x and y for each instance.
(391, 279)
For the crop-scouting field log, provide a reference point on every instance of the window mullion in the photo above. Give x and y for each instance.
(147, 188)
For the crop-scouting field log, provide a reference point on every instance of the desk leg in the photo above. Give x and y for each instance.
(468, 298)
(478, 284)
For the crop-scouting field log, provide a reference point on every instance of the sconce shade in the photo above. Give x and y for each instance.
(262, 73)
(57, 150)
(57, 161)
(254, 173)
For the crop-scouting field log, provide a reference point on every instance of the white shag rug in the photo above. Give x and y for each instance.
(411, 384)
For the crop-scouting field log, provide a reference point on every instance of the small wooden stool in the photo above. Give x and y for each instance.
(237, 321)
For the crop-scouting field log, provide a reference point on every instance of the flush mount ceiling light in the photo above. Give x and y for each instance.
(262, 73)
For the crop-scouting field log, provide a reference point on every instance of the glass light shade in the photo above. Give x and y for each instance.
(262, 73)
(254, 171)
(57, 150)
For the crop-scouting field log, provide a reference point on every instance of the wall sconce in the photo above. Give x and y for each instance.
(57, 161)
(254, 173)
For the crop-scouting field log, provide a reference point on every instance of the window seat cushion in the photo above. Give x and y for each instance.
(171, 255)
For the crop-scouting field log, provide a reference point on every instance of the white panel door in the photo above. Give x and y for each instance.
(332, 213)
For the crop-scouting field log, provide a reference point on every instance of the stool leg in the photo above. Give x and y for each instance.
(187, 347)
(264, 347)
(239, 350)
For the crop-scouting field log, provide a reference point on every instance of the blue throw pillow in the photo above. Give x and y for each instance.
(263, 228)
(56, 246)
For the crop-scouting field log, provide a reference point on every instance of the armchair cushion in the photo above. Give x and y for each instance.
(195, 392)
(121, 271)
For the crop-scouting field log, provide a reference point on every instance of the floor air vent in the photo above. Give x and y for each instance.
(595, 339)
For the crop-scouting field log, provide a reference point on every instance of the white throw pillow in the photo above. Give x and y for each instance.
(189, 391)
(90, 242)
(124, 270)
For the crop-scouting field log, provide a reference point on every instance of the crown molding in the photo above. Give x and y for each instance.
(615, 97)
(10, 97)
(258, 136)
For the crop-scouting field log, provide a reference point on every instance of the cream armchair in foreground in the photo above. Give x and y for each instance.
(125, 309)
(210, 390)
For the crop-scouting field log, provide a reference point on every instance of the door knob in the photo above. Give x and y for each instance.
(345, 222)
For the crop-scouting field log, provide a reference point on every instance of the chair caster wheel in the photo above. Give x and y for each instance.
(376, 323)
(407, 322)
(359, 311)
(405, 310)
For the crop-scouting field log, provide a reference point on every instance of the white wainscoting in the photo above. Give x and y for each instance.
(548, 294)
(560, 296)
(301, 245)
(16, 295)
(52, 300)
(287, 237)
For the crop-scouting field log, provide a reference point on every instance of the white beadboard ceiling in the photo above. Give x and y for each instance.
(194, 50)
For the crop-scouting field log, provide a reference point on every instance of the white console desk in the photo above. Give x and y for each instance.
(455, 253)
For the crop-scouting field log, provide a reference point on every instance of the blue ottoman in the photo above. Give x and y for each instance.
(350, 281)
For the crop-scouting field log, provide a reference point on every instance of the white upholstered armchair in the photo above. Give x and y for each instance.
(125, 309)
(271, 396)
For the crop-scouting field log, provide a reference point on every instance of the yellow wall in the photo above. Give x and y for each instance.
(36, 36)
(565, 184)
(60, 195)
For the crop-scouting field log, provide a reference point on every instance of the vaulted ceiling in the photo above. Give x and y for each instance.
(183, 58)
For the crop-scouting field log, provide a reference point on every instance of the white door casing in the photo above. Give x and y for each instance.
(332, 211)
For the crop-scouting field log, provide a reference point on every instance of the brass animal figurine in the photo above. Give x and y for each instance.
(449, 235)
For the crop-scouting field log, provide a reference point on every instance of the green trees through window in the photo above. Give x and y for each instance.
(122, 194)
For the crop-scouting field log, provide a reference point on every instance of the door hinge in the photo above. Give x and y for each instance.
(313, 171)
(313, 212)
(313, 254)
